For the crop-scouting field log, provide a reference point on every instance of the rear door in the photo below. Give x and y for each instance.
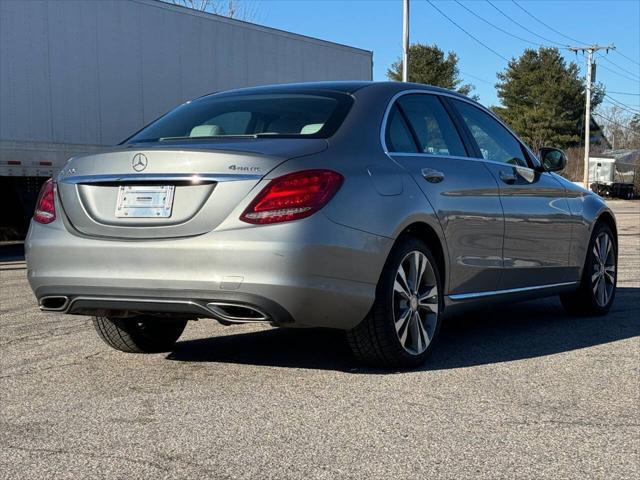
(421, 136)
(537, 236)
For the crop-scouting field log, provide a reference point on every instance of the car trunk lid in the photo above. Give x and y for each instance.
(164, 191)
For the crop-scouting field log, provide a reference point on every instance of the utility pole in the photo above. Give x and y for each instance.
(587, 111)
(405, 40)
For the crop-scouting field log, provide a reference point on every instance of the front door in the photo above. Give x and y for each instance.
(537, 234)
(421, 136)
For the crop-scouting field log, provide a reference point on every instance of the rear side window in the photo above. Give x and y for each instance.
(293, 115)
(398, 137)
(434, 129)
(496, 142)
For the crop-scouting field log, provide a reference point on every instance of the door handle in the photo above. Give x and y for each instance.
(432, 176)
(508, 177)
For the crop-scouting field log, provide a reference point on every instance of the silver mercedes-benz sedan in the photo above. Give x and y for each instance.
(375, 208)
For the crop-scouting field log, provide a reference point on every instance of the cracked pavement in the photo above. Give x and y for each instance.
(520, 391)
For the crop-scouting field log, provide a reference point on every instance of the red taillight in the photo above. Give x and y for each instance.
(46, 207)
(293, 196)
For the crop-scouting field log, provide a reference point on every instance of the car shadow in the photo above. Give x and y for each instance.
(11, 252)
(486, 336)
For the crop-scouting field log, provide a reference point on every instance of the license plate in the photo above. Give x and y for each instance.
(144, 201)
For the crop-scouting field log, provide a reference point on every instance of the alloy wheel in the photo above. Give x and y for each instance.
(603, 276)
(415, 302)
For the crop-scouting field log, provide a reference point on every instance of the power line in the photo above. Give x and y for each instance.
(542, 23)
(618, 73)
(566, 36)
(625, 93)
(476, 77)
(523, 27)
(497, 27)
(628, 58)
(619, 67)
(614, 105)
(467, 33)
(608, 119)
(621, 105)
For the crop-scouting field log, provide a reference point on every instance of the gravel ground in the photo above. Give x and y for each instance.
(523, 391)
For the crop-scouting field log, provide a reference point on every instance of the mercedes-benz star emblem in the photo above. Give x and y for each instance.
(139, 162)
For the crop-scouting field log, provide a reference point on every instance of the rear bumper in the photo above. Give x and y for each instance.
(309, 273)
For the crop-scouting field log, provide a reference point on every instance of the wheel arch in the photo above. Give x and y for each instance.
(607, 218)
(428, 234)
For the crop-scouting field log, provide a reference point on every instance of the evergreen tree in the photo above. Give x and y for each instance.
(543, 98)
(428, 65)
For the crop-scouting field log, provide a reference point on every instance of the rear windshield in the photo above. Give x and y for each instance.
(308, 115)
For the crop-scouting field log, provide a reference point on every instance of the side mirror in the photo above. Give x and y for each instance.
(553, 159)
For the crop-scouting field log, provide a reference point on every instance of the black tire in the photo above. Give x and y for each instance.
(375, 341)
(584, 301)
(143, 334)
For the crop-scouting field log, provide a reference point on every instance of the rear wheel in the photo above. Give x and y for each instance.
(405, 318)
(598, 285)
(141, 334)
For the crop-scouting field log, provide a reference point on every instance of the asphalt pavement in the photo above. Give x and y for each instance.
(520, 391)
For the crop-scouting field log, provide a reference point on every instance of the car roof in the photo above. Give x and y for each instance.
(347, 87)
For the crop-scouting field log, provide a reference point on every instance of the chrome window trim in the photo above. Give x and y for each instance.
(431, 155)
(491, 293)
(414, 91)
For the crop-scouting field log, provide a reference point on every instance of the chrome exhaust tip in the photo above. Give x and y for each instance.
(54, 303)
(237, 312)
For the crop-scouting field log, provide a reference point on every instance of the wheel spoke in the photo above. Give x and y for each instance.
(609, 275)
(604, 246)
(416, 338)
(601, 292)
(403, 283)
(402, 325)
(402, 290)
(609, 249)
(402, 321)
(595, 275)
(429, 300)
(596, 250)
(431, 292)
(420, 263)
(424, 333)
(605, 293)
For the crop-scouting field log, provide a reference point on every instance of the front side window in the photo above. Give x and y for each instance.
(291, 115)
(434, 129)
(495, 142)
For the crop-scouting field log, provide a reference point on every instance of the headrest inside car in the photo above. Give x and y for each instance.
(207, 131)
(311, 128)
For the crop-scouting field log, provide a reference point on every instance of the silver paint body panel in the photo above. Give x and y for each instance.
(499, 242)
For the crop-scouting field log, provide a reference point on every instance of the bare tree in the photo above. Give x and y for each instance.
(620, 127)
(238, 9)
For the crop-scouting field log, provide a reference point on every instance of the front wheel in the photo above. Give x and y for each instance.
(141, 334)
(402, 326)
(598, 285)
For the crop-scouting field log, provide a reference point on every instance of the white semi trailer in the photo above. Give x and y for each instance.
(79, 75)
(612, 174)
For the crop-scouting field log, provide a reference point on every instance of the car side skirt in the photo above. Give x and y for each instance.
(460, 302)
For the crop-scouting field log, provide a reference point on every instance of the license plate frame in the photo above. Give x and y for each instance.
(145, 201)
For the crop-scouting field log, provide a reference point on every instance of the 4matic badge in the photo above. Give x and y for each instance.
(243, 168)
